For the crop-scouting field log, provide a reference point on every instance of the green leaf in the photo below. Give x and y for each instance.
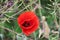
(8, 25)
(10, 13)
(17, 28)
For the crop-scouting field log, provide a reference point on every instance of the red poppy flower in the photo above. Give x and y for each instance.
(28, 22)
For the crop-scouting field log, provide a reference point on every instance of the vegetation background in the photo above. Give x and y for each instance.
(48, 12)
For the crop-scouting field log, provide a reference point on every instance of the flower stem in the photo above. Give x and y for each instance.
(34, 36)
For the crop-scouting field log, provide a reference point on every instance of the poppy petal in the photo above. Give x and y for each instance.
(28, 22)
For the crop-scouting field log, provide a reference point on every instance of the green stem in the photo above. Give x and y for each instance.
(34, 36)
(30, 3)
(55, 8)
(40, 9)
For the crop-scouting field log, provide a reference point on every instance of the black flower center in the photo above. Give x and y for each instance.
(26, 24)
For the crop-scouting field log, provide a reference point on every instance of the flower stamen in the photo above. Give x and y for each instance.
(26, 24)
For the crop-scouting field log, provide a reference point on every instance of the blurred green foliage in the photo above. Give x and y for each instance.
(47, 10)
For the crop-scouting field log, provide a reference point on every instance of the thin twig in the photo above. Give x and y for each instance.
(23, 9)
(10, 30)
(55, 32)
